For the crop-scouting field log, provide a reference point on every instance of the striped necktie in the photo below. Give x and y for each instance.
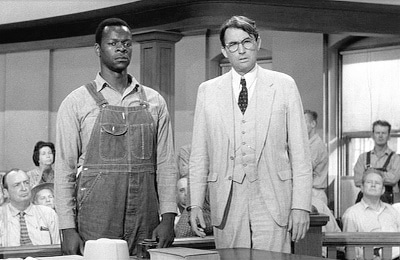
(243, 96)
(24, 238)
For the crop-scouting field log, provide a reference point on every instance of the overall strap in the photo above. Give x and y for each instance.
(97, 96)
(387, 161)
(368, 160)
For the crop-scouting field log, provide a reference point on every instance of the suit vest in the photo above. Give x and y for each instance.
(245, 137)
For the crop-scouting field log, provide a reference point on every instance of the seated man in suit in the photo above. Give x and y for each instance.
(21, 222)
(371, 214)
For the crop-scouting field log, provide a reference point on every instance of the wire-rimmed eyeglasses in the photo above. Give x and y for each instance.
(248, 44)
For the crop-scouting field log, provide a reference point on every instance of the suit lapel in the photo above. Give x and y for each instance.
(224, 97)
(264, 94)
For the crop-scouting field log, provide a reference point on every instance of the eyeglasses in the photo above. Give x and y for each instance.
(247, 43)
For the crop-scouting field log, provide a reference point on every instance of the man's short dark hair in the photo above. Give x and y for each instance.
(239, 22)
(109, 22)
(381, 123)
(5, 184)
(36, 151)
(313, 114)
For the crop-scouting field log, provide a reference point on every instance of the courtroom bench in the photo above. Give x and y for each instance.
(367, 240)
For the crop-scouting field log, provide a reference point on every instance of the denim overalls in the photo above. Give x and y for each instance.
(116, 190)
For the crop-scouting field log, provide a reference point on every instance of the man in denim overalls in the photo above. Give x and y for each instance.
(115, 168)
(381, 158)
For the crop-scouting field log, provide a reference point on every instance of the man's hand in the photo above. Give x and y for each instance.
(165, 231)
(71, 242)
(299, 222)
(197, 221)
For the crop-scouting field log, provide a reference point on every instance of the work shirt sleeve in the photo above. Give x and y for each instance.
(320, 167)
(167, 171)
(392, 175)
(359, 169)
(68, 147)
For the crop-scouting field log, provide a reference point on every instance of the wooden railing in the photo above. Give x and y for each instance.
(310, 245)
(33, 251)
(367, 240)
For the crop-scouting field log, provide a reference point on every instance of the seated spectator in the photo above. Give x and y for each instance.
(371, 214)
(21, 222)
(43, 157)
(43, 194)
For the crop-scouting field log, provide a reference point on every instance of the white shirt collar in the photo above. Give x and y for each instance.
(250, 77)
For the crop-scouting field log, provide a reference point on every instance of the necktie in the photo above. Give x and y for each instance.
(243, 97)
(24, 238)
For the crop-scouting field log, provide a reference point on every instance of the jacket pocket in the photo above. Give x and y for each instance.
(212, 177)
(285, 175)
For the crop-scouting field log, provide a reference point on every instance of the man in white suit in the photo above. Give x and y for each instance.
(250, 146)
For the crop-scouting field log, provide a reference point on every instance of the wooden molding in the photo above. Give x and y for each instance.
(320, 16)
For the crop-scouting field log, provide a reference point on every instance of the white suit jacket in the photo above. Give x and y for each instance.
(282, 148)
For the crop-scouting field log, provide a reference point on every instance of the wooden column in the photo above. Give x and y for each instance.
(157, 63)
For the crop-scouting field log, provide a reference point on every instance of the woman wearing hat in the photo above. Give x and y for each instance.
(43, 194)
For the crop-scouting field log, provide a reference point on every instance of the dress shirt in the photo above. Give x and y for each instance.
(362, 218)
(319, 157)
(41, 222)
(75, 120)
(391, 177)
(251, 79)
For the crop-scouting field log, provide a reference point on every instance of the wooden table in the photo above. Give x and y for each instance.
(53, 253)
(255, 254)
